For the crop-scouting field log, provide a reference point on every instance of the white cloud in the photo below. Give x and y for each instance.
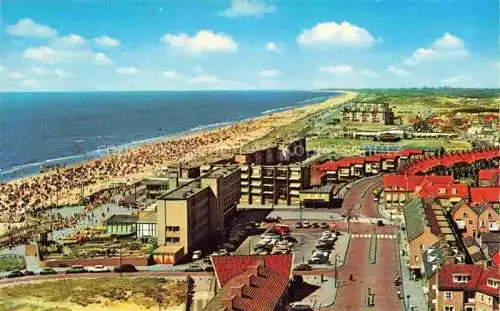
(338, 70)
(332, 34)
(458, 80)
(69, 41)
(204, 79)
(205, 41)
(127, 71)
(17, 76)
(446, 47)
(398, 71)
(102, 59)
(272, 47)
(28, 28)
(269, 73)
(241, 8)
(369, 73)
(107, 42)
(40, 71)
(31, 83)
(171, 74)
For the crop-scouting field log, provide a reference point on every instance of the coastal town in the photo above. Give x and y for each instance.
(369, 200)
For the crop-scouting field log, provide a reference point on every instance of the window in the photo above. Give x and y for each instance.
(447, 295)
(465, 215)
(492, 283)
(461, 278)
(471, 222)
(449, 308)
(483, 224)
(416, 258)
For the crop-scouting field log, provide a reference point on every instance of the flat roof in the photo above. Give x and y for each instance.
(167, 249)
(184, 191)
(221, 172)
(322, 189)
(121, 218)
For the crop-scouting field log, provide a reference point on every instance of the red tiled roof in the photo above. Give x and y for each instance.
(373, 158)
(496, 259)
(257, 288)
(488, 174)
(409, 183)
(489, 273)
(445, 277)
(484, 195)
(409, 152)
(449, 159)
(442, 191)
(227, 267)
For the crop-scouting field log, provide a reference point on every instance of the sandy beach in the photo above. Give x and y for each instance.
(66, 185)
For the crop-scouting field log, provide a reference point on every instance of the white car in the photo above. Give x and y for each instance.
(98, 269)
(196, 255)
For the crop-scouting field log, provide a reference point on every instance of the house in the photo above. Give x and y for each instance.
(488, 177)
(490, 244)
(257, 283)
(146, 225)
(467, 287)
(474, 252)
(422, 231)
(465, 218)
(121, 224)
(432, 259)
(484, 195)
(488, 219)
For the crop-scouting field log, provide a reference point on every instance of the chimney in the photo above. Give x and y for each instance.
(237, 290)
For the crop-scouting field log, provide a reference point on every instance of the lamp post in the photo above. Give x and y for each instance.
(407, 302)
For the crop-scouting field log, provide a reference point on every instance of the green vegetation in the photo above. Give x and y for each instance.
(140, 291)
(346, 147)
(11, 262)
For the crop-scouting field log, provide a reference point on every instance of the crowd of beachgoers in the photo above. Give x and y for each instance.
(70, 185)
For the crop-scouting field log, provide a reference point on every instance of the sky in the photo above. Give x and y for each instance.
(97, 45)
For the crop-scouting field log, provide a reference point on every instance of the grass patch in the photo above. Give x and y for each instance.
(84, 292)
(11, 262)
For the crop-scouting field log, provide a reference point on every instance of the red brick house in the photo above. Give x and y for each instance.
(467, 287)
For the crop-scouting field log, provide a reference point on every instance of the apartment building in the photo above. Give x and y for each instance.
(268, 185)
(367, 113)
(198, 211)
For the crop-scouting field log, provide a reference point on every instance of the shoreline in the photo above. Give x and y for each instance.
(17, 171)
(147, 159)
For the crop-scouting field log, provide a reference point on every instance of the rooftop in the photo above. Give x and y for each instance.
(121, 218)
(184, 191)
(321, 189)
(432, 258)
(478, 278)
(221, 172)
(148, 217)
(484, 195)
(227, 267)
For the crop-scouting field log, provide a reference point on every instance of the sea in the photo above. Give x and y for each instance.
(39, 130)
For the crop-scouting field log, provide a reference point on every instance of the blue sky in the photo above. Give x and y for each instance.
(247, 44)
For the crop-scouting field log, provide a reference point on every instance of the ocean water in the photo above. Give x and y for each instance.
(39, 129)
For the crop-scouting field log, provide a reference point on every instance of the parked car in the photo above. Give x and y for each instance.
(380, 223)
(15, 274)
(324, 225)
(125, 268)
(47, 271)
(28, 272)
(302, 307)
(196, 255)
(298, 225)
(302, 267)
(324, 246)
(317, 260)
(193, 268)
(98, 269)
(76, 269)
(306, 224)
(315, 225)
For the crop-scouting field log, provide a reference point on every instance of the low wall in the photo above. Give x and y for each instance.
(106, 261)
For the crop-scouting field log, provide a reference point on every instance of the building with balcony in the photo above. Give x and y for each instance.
(367, 113)
(268, 185)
